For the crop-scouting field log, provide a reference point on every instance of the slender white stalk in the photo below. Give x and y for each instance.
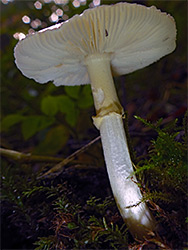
(119, 167)
(126, 191)
(102, 85)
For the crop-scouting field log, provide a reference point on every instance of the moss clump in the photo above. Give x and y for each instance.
(165, 172)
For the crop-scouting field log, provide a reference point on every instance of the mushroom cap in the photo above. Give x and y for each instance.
(133, 35)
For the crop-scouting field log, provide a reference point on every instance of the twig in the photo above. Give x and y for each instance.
(59, 166)
(22, 157)
(18, 156)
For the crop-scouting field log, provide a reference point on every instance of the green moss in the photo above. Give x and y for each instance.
(165, 171)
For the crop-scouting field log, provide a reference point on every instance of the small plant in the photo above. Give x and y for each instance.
(45, 243)
(165, 170)
(88, 228)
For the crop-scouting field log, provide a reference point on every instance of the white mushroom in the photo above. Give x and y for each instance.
(90, 48)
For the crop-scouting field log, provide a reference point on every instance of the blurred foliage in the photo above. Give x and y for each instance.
(71, 210)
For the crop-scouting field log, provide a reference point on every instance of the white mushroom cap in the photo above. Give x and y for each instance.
(134, 36)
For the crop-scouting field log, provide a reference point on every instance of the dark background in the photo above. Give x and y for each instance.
(29, 125)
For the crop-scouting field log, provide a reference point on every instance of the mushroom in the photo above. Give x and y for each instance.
(90, 48)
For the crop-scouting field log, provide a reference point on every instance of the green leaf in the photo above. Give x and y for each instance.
(85, 98)
(10, 120)
(32, 124)
(71, 118)
(72, 91)
(45, 122)
(49, 105)
(67, 106)
(54, 141)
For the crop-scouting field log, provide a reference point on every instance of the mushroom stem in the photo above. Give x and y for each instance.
(119, 167)
(102, 85)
